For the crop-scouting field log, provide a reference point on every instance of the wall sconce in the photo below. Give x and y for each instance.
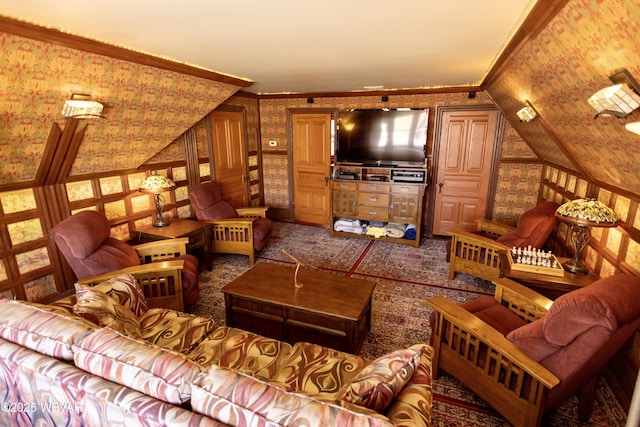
(81, 107)
(156, 185)
(527, 113)
(633, 127)
(619, 100)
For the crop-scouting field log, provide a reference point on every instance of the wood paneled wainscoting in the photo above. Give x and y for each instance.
(610, 251)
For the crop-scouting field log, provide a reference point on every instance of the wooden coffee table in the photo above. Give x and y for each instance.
(329, 310)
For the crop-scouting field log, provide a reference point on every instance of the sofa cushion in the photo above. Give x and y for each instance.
(603, 303)
(381, 380)
(126, 291)
(174, 330)
(315, 369)
(149, 369)
(238, 399)
(415, 400)
(96, 306)
(41, 328)
(242, 351)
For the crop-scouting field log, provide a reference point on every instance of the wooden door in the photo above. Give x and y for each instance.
(229, 154)
(311, 163)
(464, 168)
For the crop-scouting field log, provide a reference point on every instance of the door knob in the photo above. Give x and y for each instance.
(441, 185)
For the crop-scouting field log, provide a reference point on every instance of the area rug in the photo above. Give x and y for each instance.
(405, 277)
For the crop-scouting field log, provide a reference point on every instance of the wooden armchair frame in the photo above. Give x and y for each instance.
(161, 282)
(235, 235)
(489, 364)
(161, 250)
(477, 253)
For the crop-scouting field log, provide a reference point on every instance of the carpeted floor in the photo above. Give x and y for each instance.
(405, 277)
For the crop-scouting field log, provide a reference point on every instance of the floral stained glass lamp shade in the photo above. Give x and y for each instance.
(581, 214)
(156, 185)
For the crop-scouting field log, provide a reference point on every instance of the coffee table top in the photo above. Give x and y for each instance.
(322, 292)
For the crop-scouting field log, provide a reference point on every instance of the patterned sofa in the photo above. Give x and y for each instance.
(102, 358)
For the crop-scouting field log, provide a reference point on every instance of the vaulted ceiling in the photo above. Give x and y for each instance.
(301, 46)
(556, 58)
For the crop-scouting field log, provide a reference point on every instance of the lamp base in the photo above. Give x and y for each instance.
(161, 223)
(575, 266)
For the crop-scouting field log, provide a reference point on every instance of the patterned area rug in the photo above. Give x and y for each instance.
(405, 277)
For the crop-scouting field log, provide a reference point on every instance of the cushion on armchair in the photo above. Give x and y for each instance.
(219, 210)
(605, 303)
(84, 240)
(534, 227)
(261, 232)
(208, 203)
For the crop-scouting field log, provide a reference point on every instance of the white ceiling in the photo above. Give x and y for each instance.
(287, 46)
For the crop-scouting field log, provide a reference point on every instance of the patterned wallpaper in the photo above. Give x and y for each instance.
(146, 108)
(559, 70)
(518, 181)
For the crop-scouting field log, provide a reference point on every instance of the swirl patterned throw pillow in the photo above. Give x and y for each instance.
(96, 306)
(380, 381)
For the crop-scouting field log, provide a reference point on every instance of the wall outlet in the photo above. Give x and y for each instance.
(273, 143)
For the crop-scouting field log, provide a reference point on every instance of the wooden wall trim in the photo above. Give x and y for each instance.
(48, 155)
(62, 153)
(359, 93)
(51, 35)
(521, 161)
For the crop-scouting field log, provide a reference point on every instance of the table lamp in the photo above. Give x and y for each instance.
(582, 214)
(156, 185)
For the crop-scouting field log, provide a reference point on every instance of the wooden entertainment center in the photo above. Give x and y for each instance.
(379, 194)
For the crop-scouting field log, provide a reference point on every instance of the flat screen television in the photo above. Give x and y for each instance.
(382, 137)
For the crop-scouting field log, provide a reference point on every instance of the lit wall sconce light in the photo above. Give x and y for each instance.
(619, 100)
(527, 113)
(633, 127)
(81, 107)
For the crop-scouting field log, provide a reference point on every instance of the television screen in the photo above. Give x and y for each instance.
(379, 137)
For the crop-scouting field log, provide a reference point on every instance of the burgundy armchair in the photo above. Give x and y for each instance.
(85, 242)
(241, 231)
(525, 354)
(477, 253)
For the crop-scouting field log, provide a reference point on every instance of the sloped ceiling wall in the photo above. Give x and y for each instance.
(557, 71)
(147, 108)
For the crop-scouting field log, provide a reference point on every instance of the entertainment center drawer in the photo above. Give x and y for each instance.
(341, 185)
(373, 213)
(373, 199)
(373, 187)
(405, 189)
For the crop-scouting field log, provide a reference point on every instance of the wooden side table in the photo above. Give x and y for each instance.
(548, 285)
(199, 234)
